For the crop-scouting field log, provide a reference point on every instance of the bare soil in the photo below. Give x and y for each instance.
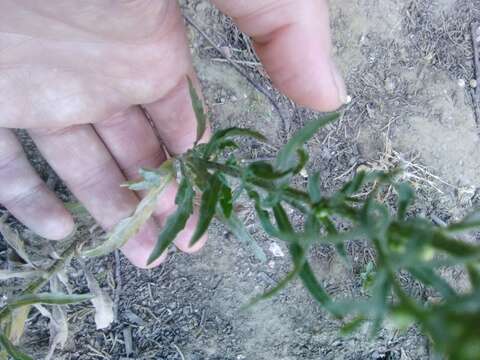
(408, 66)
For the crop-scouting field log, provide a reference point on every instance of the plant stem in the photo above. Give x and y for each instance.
(37, 284)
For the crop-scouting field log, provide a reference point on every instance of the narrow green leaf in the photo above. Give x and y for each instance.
(316, 290)
(238, 230)
(208, 204)
(298, 258)
(175, 222)
(265, 170)
(452, 246)
(474, 275)
(226, 201)
(405, 199)
(283, 222)
(47, 298)
(332, 230)
(12, 349)
(352, 325)
(428, 277)
(470, 222)
(221, 135)
(199, 111)
(314, 187)
(286, 156)
(302, 160)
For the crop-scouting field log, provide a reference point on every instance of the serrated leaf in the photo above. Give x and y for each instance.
(20, 274)
(313, 187)
(13, 239)
(221, 135)
(198, 110)
(47, 298)
(208, 204)
(286, 156)
(238, 230)
(12, 350)
(405, 199)
(130, 226)
(175, 222)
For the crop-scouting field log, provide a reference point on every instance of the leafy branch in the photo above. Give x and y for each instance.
(402, 244)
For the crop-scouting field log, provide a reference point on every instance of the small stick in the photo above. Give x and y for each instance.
(238, 68)
(476, 62)
(118, 285)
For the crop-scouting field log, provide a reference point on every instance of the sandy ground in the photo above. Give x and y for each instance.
(408, 66)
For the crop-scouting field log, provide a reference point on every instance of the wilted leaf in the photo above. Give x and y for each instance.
(13, 239)
(177, 221)
(17, 325)
(130, 226)
(20, 274)
(101, 301)
(199, 111)
(286, 156)
(47, 298)
(12, 350)
(58, 330)
(208, 205)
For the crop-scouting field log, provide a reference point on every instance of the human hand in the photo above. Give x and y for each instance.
(75, 72)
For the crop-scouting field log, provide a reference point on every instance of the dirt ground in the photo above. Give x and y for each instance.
(409, 66)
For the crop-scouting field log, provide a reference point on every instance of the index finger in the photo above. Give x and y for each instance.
(292, 38)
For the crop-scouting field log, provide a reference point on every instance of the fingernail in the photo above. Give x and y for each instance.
(339, 84)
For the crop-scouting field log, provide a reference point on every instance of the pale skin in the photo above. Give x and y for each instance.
(74, 74)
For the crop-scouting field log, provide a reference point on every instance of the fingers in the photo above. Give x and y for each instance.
(26, 196)
(292, 38)
(81, 159)
(132, 142)
(172, 113)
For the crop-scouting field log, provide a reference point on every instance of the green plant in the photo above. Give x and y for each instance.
(402, 244)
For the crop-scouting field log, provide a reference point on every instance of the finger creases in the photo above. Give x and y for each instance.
(133, 143)
(292, 38)
(26, 196)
